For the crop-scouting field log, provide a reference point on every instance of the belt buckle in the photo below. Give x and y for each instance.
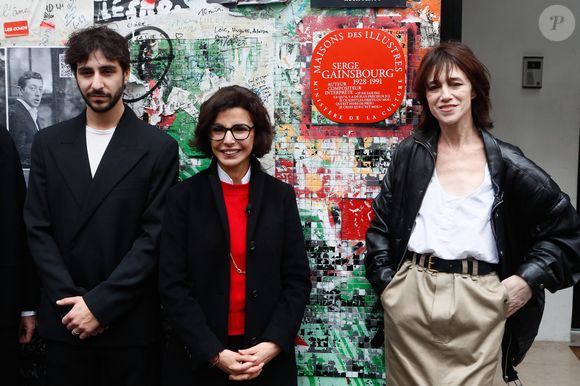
(430, 263)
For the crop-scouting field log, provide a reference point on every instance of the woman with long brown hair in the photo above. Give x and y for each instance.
(468, 232)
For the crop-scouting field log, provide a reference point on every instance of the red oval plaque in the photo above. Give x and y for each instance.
(358, 75)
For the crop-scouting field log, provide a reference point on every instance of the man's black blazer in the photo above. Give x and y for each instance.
(18, 287)
(195, 266)
(98, 237)
(22, 129)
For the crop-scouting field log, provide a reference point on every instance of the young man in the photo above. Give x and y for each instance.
(23, 114)
(93, 212)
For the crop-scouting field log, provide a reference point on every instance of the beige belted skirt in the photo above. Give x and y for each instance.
(442, 329)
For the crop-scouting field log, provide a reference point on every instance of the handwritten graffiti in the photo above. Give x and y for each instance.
(152, 60)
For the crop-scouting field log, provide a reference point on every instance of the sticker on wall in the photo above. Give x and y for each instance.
(357, 75)
(557, 23)
(16, 28)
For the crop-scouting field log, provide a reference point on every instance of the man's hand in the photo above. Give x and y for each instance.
(518, 292)
(27, 327)
(238, 366)
(80, 320)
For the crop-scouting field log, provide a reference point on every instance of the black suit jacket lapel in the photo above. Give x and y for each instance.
(71, 157)
(121, 155)
(255, 201)
(254, 204)
(23, 113)
(218, 195)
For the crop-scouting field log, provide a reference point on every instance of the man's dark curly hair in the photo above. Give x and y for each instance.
(27, 76)
(81, 44)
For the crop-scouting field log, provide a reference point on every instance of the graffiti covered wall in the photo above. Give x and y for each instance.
(185, 49)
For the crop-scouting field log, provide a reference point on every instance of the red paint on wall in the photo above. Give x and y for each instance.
(356, 215)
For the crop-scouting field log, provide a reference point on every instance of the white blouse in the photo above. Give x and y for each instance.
(453, 228)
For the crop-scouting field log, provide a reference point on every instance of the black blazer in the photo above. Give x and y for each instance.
(19, 287)
(195, 265)
(22, 129)
(98, 237)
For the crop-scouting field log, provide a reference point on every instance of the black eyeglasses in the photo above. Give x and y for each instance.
(240, 132)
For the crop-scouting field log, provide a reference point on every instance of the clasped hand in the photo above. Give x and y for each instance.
(80, 321)
(248, 363)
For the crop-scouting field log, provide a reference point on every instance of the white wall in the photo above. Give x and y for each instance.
(544, 122)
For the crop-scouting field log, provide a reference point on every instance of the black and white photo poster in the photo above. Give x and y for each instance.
(40, 91)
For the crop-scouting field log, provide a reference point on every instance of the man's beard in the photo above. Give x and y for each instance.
(115, 98)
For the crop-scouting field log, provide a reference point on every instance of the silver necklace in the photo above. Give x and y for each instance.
(238, 269)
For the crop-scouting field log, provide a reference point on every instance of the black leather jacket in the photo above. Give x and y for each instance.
(536, 229)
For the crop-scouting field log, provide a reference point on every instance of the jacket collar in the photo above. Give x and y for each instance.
(494, 159)
(428, 138)
(121, 155)
(257, 180)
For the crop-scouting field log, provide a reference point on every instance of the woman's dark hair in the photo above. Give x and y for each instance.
(227, 98)
(81, 44)
(445, 57)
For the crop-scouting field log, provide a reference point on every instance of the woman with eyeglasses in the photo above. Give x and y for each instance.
(234, 276)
